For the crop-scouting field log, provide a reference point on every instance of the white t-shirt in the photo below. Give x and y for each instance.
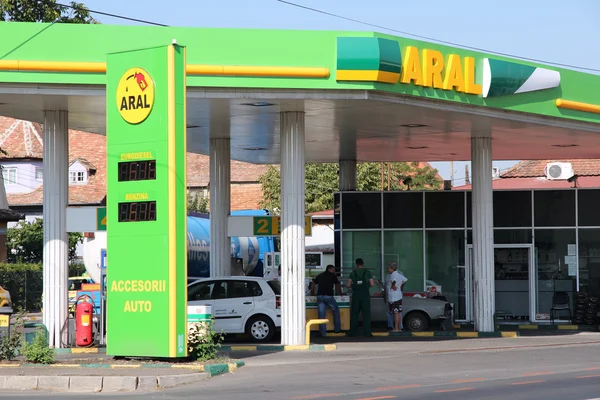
(395, 295)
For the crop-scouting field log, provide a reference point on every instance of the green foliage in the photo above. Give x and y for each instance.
(26, 242)
(322, 180)
(203, 341)
(45, 11)
(76, 270)
(197, 203)
(38, 351)
(10, 345)
(25, 285)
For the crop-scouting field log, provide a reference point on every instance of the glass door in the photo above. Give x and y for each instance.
(513, 267)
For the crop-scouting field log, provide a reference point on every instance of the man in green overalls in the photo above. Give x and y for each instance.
(360, 281)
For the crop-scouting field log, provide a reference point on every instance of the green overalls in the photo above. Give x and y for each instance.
(361, 301)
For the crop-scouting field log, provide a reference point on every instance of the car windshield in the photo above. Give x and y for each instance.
(276, 286)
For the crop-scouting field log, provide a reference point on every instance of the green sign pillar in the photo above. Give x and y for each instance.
(146, 203)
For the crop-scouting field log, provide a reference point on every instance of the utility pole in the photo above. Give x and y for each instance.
(467, 178)
(382, 176)
(452, 173)
(388, 172)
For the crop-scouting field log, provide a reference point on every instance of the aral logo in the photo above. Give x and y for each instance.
(135, 95)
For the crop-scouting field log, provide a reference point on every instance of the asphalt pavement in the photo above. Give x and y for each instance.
(564, 367)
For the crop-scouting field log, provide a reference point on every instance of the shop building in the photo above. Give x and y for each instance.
(545, 241)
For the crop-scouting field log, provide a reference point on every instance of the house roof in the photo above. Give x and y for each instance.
(198, 171)
(20, 139)
(89, 149)
(530, 174)
(535, 168)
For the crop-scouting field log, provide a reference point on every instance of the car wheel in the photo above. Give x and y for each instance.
(260, 328)
(416, 321)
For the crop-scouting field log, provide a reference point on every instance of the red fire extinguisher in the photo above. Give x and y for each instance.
(83, 321)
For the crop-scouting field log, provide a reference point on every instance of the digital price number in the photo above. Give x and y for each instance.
(137, 211)
(137, 171)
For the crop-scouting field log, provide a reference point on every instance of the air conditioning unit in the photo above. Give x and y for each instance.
(559, 171)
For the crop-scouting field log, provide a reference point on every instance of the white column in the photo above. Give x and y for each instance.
(292, 228)
(483, 232)
(220, 187)
(348, 175)
(56, 242)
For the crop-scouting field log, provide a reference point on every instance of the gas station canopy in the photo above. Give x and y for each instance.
(366, 96)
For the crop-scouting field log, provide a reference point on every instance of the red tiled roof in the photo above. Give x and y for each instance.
(535, 168)
(326, 213)
(538, 183)
(198, 171)
(20, 139)
(90, 150)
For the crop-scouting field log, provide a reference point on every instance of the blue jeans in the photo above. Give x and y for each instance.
(328, 301)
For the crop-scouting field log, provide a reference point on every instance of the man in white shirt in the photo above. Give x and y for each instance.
(395, 285)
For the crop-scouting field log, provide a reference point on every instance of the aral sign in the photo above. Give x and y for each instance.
(376, 59)
(383, 60)
(146, 203)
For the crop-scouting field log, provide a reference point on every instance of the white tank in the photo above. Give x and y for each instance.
(92, 248)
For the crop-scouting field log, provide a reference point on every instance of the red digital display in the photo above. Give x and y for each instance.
(137, 171)
(137, 212)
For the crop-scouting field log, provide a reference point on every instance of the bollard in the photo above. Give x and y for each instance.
(311, 323)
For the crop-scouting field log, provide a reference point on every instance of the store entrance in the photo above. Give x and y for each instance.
(514, 286)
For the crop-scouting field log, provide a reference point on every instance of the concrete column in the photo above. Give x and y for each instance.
(348, 175)
(292, 228)
(483, 232)
(56, 242)
(220, 188)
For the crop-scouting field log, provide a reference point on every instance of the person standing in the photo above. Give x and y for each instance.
(360, 281)
(325, 282)
(395, 285)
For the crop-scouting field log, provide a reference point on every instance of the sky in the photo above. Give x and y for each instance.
(551, 31)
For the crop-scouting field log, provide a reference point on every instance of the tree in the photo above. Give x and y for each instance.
(45, 11)
(322, 180)
(197, 203)
(25, 242)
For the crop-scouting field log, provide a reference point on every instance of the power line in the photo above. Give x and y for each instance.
(110, 14)
(433, 39)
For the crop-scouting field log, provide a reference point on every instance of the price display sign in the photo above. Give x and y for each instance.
(147, 202)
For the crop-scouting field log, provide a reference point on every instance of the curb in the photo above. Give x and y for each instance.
(540, 327)
(497, 334)
(94, 384)
(266, 347)
(82, 350)
(210, 369)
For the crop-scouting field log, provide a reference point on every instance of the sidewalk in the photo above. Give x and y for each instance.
(102, 373)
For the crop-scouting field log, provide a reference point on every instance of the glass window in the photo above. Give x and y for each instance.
(445, 254)
(9, 175)
(589, 262)
(555, 269)
(444, 210)
(276, 286)
(588, 207)
(236, 289)
(512, 236)
(512, 209)
(403, 210)
(336, 211)
(39, 174)
(365, 245)
(77, 176)
(361, 210)
(406, 249)
(200, 291)
(554, 207)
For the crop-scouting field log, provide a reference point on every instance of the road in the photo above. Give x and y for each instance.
(521, 368)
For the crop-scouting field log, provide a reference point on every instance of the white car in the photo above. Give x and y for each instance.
(240, 304)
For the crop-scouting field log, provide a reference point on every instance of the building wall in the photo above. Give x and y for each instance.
(26, 181)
